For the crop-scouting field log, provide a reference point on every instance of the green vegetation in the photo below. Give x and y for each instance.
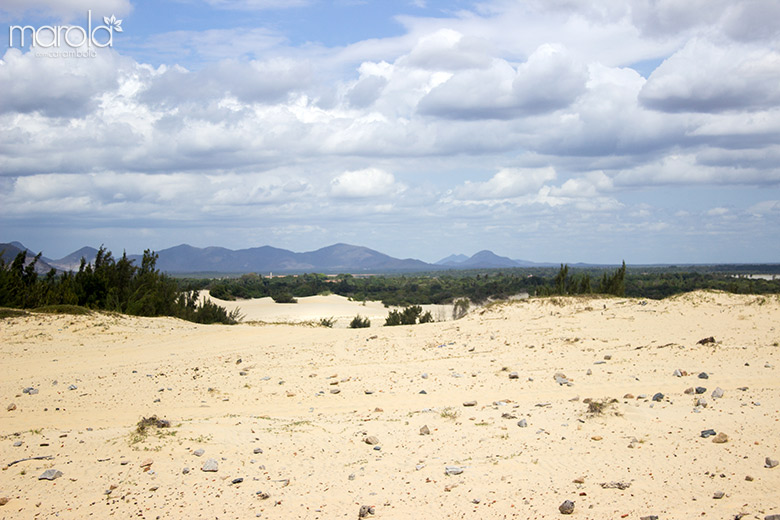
(106, 284)
(284, 297)
(408, 316)
(359, 322)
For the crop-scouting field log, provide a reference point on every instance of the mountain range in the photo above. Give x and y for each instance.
(338, 258)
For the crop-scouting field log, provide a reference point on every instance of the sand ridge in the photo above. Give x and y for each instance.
(231, 389)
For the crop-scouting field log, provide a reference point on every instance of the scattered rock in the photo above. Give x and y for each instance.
(566, 508)
(11, 407)
(4, 500)
(616, 485)
(589, 372)
(522, 423)
(561, 379)
(770, 463)
(365, 511)
(689, 390)
(748, 478)
(257, 451)
(718, 495)
(579, 480)
(649, 517)
(210, 465)
(700, 390)
(50, 474)
(707, 433)
(705, 341)
(185, 471)
(514, 375)
(628, 396)
(608, 357)
(701, 402)
(425, 430)
(658, 397)
(17, 444)
(30, 391)
(720, 438)
(717, 393)
(262, 495)
(336, 391)
(772, 517)
(238, 480)
(371, 440)
(199, 452)
(597, 437)
(703, 375)
(470, 403)
(677, 373)
(146, 463)
(72, 387)
(453, 470)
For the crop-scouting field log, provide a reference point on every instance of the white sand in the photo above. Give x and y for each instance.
(314, 463)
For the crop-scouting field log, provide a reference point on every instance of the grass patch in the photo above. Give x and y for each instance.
(5, 312)
(449, 413)
(63, 309)
(148, 425)
(597, 408)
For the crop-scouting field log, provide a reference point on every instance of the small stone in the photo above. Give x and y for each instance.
(368, 392)
(257, 451)
(425, 430)
(514, 375)
(50, 474)
(608, 357)
(470, 403)
(522, 423)
(371, 440)
(770, 463)
(717, 393)
(335, 390)
(377, 448)
(210, 465)
(628, 396)
(185, 471)
(597, 438)
(72, 387)
(238, 480)
(772, 517)
(11, 407)
(453, 470)
(199, 452)
(17, 444)
(689, 390)
(718, 495)
(701, 402)
(705, 341)
(146, 463)
(677, 373)
(649, 517)
(707, 433)
(658, 397)
(700, 390)
(4, 500)
(351, 476)
(720, 438)
(703, 375)
(262, 495)
(579, 480)
(422, 392)
(589, 372)
(748, 478)
(364, 511)
(566, 508)
(424, 376)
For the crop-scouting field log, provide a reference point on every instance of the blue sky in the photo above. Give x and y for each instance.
(546, 130)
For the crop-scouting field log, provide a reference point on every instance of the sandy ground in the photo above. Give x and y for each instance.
(314, 308)
(232, 390)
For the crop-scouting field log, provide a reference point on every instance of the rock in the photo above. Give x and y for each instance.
(422, 392)
(772, 517)
(365, 511)
(238, 480)
(608, 357)
(748, 478)
(658, 397)
(335, 390)
(770, 463)
(4, 500)
(470, 403)
(628, 396)
(677, 373)
(371, 440)
(514, 375)
(522, 423)
(424, 376)
(377, 448)
(199, 452)
(701, 402)
(453, 470)
(566, 508)
(689, 390)
(717, 393)
(703, 375)
(720, 438)
(257, 451)
(50, 474)
(146, 463)
(17, 444)
(616, 485)
(425, 430)
(185, 471)
(649, 517)
(210, 465)
(579, 480)
(700, 390)
(718, 495)
(368, 392)
(262, 495)
(11, 407)
(707, 433)
(705, 341)
(561, 379)
(30, 390)
(589, 372)
(72, 387)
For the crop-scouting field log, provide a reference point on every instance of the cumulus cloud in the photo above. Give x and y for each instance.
(67, 10)
(704, 77)
(370, 182)
(508, 183)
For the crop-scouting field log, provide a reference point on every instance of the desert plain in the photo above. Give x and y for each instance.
(505, 413)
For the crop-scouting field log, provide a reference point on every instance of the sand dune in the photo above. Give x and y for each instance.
(231, 390)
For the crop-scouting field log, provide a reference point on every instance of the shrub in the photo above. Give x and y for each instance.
(359, 322)
(327, 322)
(284, 297)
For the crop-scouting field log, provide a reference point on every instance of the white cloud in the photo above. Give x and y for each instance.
(508, 183)
(370, 182)
(68, 10)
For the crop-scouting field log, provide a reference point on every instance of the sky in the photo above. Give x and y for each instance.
(545, 130)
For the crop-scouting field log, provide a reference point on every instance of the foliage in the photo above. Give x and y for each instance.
(327, 322)
(359, 322)
(284, 297)
(460, 308)
(408, 316)
(105, 284)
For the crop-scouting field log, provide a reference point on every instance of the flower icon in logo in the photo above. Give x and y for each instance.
(113, 23)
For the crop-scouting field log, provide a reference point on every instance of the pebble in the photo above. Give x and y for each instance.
(377, 448)
(700, 390)
(649, 517)
(4, 500)
(365, 511)
(336, 391)
(718, 495)
(748, 478)
(210, 465)
(701, 402)
(658, 397)
(257, 450)
(514, 375)
(689, 390)
(199, 452)
(72, 387)
(262, 495)
(703, 375)
(720, 438)
(424, 376)
(453, 470)
(425, 430)
(50, 474)
(17, 444)
(371, 440)
(185, 471)
(589, 372)
(522, 423)
(11, 407)
(470, 403)
(423, 392)
(707, 433)
(566, 508)
(368, 392)
(772, 517)
(628, 396)
(717, 393)
(238, 480)
(770, 463)
(677, 373)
